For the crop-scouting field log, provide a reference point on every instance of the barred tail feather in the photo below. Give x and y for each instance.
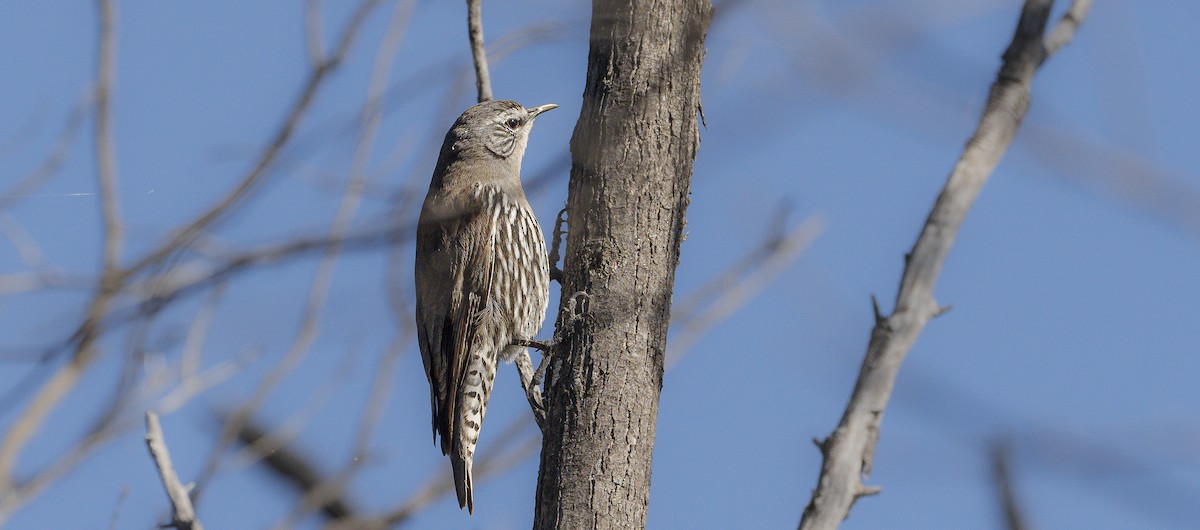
(462, 480)
(472, 406)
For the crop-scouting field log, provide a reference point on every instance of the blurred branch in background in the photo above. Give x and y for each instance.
(26, 426)
(167, 388)
(323, 277)
(848, 452)
(1006, 494)
(114, 278)
(854, 61)
(1134, 470)
(296, 471)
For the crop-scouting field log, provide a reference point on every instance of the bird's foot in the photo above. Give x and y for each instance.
(531, 380)
(532, 387)
(556, 273)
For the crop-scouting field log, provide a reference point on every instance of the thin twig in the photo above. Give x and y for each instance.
(848, 452)
(106, 169)
(183, 515)
(483, 80)
(1014, 517)
(54, 160)
(116, 515)
(314, 41)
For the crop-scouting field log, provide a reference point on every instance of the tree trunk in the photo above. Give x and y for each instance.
(632, 154)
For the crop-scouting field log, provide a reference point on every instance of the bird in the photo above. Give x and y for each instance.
(482, 275)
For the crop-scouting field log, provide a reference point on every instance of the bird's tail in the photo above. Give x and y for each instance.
(473, 398)
(462, 480)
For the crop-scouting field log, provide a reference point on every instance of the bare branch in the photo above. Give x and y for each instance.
(848, 452)
(483, 80)
(183, 515)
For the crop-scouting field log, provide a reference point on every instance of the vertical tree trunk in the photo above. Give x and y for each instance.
(632, 154)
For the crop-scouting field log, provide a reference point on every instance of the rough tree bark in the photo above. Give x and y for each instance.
(632, 154)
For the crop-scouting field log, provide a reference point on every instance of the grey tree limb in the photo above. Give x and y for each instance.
(632, 154)
(183, 515)
(848, 452)
(483, 80)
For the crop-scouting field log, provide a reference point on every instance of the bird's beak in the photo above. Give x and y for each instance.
(534, 111)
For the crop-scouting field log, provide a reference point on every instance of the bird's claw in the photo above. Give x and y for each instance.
(556, 273)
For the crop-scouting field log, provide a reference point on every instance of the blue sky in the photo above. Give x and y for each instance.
(1073, 281)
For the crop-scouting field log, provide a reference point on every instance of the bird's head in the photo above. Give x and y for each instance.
(498, 129)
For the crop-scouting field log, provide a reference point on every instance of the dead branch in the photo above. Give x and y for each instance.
(183, 515)
(848, 452)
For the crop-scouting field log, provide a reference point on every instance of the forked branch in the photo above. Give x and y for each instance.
(848, 452)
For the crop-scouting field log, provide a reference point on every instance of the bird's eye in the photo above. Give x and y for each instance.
(512, 123)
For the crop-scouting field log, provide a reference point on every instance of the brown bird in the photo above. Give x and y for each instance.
(482, 277)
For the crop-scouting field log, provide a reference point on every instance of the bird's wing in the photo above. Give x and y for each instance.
(432, 274)
(478, 267)
(455, 260)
